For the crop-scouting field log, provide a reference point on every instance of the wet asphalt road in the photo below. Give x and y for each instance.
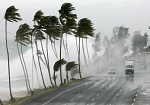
(102, 89)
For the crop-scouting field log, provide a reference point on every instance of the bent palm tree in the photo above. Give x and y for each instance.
(69, 67)
(57, 66)
(66, 17)
(11, 15)
(84, 28)
(23, 37)
(50, 25)
(38, 34)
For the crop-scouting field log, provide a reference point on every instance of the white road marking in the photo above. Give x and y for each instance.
(64, 92)
(72, 99)
(93, 99)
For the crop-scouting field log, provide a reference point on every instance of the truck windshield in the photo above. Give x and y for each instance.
(129, 66)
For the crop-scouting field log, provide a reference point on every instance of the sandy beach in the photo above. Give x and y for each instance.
(18, 89)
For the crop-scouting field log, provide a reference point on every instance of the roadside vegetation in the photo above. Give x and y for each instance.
(50, 29)
(54, 29)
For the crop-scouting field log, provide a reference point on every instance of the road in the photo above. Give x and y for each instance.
(101, 89)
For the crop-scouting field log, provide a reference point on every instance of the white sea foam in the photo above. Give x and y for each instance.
(17, 76)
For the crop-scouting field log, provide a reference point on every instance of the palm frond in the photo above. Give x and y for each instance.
(11, 14)
(38, 15)
(58, 64)
(66, 11)
(70, 65)
(85, 27)
(23, 34)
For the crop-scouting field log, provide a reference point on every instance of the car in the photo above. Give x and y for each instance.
(111, 71)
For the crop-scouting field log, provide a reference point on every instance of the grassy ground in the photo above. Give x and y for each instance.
(37, 93)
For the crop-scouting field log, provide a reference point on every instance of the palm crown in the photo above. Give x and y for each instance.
(11, 14)
(85, 28)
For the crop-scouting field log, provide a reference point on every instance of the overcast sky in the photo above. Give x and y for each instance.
(105, 14)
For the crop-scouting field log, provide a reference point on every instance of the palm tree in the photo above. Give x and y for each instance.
(84, 52)
(22, 37)
(65, 17)
(41, 23)
(50, 25)
(84, 28)
(69, 67)
(11, 15)
(53, 32)
(38, 34)
(57, 66)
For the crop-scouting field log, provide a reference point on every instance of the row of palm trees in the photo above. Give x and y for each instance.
(51, 29)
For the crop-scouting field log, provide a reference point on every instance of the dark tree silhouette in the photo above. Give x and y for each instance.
(11, 15)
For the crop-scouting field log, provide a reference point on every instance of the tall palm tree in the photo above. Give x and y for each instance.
(38, 34)
(23, 37)
(84, 28)
(85, 60)
(11, 15)
(50, 25)
(57, 66)
(69, 67)
(41, 22)
(65, 17)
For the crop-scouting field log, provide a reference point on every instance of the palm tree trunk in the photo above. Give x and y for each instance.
(55, 78)
(60, 58)
(33, 60)
(67, 48)
(54, 50)
(40, 66)
(67, 77)
(79, 60)
(11, 97)
(43, 51)
(23, 67)
(88, 52)
(48, 66)
(26, 70)
(77, 45)
(84, 52)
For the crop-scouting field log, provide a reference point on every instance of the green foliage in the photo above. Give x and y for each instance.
(139, 42)
(70, 66)
(11, 14)
(38, 15)
(67, 18)
(23, 34)
(85, 27)
(97, 43)
(66, 11)
(38, 35)
(58, 63)
(47, 24)
(120, 34)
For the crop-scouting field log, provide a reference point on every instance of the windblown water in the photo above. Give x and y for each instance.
(17, 76)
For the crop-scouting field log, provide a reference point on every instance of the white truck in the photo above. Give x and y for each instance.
(129, 67)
